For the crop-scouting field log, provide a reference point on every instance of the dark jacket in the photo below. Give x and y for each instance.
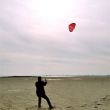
(40, 88)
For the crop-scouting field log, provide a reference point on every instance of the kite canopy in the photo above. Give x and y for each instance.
(71, 26)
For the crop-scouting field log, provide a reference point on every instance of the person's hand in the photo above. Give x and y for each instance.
(45, 80)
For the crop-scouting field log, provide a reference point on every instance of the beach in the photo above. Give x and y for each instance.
(65, 93)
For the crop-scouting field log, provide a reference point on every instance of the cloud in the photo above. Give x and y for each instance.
(30, 42)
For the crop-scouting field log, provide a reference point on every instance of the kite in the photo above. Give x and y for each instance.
(71, 26)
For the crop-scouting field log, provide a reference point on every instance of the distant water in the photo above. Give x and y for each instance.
(55, 74)
(61, 76)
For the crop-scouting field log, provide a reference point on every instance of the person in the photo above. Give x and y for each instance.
(40, 92)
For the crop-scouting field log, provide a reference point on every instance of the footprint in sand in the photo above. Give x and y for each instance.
(107, 97)
(101, 104)
(69, 108)
(84, 105)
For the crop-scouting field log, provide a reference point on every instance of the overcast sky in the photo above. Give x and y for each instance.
(34, 37)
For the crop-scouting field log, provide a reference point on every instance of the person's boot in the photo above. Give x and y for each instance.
(51, 107)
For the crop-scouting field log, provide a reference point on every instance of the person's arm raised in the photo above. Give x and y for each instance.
(45, 81)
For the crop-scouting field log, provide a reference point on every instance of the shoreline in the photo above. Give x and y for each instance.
(92, 76)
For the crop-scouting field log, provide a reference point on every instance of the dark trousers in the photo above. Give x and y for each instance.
(46, 98)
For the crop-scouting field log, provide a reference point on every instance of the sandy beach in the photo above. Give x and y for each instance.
(73, 93)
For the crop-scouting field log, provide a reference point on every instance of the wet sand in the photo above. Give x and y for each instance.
(74, 93)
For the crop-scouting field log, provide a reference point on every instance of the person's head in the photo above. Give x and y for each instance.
(39, 78)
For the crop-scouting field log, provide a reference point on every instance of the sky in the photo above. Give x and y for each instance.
(35, 40)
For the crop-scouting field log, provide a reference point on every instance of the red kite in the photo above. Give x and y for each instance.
(71, 26)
